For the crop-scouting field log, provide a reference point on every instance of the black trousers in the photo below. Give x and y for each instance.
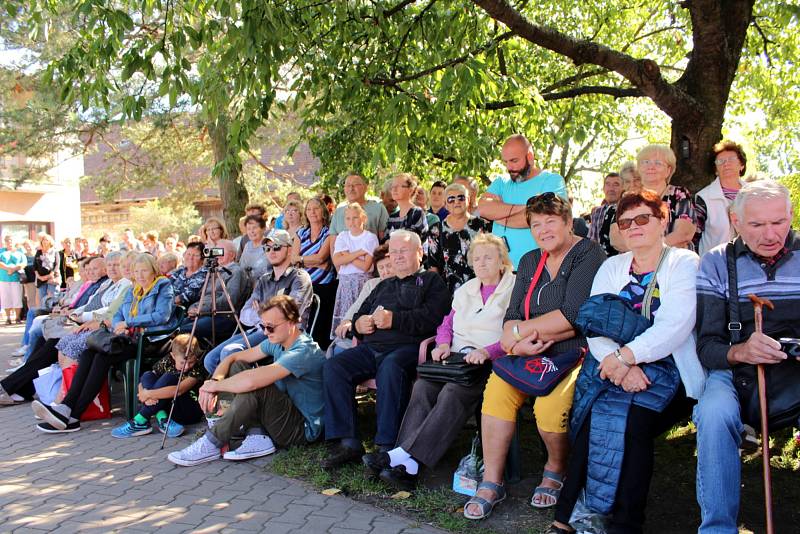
(21, 380)
(643, 427)
(327, 299)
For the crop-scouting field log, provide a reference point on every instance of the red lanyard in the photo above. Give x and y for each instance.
(534, 281)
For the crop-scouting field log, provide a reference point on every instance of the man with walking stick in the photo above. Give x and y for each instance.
(763, 261)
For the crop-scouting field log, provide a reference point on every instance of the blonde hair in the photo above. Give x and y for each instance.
(408, 178)
(168, 256)
(219, 222)
(495, 241)
(46, 237)
(457, 187)
(300, 209)
(659, 150)
(184, 342)
(148, 259)
(355, 206)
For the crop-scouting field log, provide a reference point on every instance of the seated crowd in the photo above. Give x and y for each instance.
(288, 320)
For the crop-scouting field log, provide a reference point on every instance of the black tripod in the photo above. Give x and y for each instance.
(212, 277)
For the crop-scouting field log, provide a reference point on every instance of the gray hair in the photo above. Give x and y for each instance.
(114, 255)
(760, 189)
(407, 235)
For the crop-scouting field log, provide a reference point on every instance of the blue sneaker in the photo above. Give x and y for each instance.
(131, 429)
(173, 431)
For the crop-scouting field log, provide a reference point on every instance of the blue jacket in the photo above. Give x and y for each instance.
(156, 309)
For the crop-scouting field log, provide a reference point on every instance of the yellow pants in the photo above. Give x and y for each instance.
(502, 400)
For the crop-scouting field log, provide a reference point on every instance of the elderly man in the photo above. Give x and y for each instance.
(766, 260)
(281, 279)
(504, 201)
(399, 313)
(604, 215)
(355, 190)
(223, 322)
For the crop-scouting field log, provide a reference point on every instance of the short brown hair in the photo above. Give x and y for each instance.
(183, 342)
(727, 144)
(286, 304)
(548, 204)
(257, 207)
(645, 197)
(378, 255)
(255, 218)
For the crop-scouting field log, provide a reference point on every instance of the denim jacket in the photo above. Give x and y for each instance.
(156, 309)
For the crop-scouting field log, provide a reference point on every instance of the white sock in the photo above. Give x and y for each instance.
(398, 456)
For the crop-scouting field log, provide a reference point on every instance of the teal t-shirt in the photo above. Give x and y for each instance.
(304, 361)
(520, 240)
(11, 257)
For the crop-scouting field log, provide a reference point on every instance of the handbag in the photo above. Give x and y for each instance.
(782, 379)
(100, 407)
(107, 342)
(56, 328)
(536, 375)
(454, 370)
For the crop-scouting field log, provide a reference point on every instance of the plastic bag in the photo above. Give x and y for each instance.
(470, 470)
(48, 383)
(584, 520)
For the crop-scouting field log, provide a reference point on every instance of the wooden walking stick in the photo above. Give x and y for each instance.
(758, 305)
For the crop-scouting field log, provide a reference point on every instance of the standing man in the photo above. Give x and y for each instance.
(355, 190)
(437, 206)
(603, 215)
(504, 201)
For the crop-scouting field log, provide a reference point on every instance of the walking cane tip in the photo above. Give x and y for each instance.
(758, 301)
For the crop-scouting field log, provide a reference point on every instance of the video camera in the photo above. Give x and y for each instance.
(213, 252)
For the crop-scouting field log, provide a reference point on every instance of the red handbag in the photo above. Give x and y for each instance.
(100, 407)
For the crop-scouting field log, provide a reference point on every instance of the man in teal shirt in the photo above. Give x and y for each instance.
(504, 201)
(279, 404)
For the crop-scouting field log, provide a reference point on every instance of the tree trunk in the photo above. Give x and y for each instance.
(228, 169)
(696, 170)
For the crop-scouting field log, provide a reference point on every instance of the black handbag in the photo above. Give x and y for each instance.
(454, 369)
(107, 342)
(782, 379)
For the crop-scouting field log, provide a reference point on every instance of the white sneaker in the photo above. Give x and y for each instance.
(253, 446)
(199, 452)
(20, 351)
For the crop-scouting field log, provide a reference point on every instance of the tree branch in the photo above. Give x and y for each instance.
(643, 73)
(616, 92)
(764, 40)
(398, 8)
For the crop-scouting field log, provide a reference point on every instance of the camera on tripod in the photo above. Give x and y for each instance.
(213, 252)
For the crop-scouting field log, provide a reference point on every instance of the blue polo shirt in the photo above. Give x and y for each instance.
(11, 257)
(520, 240)
(304, 361)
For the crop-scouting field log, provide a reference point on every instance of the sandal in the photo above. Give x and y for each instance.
(543, 491)
(486, 505)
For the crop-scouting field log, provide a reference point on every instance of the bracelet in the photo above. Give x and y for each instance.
(618, 355)
(515, 332)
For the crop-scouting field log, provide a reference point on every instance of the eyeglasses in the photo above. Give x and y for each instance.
(270, 328)
(654, 163)
(273, 248)
(453, 198)
(730, 159)
(640, 220)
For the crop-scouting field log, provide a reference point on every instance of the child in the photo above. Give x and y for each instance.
(352, 256)
(157, 388)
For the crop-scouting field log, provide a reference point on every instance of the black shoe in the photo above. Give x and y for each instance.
(376, 462)
(49, 415)
(398, 478)
(342, 455)
(50, 429)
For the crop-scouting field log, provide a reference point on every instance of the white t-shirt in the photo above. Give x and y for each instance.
(347, 242)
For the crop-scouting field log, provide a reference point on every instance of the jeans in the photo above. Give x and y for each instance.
(45, 290)
(35, 335)
(234, 344)
(186, 412)
(32, 314)
(719, 435)
(394, 373)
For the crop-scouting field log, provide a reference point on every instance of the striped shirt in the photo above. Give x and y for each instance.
(309, 247)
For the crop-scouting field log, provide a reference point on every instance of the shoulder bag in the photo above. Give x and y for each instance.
(107, 342)
(454, 369)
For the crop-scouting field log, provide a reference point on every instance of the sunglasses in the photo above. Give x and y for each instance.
(640, 220)
(273, 248)
(453, 198)
(270, 328)
(544, 199)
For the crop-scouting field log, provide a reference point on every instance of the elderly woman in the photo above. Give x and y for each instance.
(713, 201)
(167, 263)
(293, 218)
(312, 252)
(187, 280)
(437, 410)
(650, 277)
(46, 267)
(459, 228)
(406, 216)
(149, 305)
(213, 231)
(253, 259)
(12, 261)
(539, 318)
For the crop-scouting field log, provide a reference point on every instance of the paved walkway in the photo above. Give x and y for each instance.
(89, 481)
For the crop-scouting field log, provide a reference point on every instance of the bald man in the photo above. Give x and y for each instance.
(504, 201)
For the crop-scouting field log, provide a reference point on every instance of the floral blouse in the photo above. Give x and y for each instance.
(450, 256)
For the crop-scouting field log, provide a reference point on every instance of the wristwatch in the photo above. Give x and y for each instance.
(515, 332)
(618, 355)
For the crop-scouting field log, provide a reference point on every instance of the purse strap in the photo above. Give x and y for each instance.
(734, 321)
(651, 287)
(534, 281)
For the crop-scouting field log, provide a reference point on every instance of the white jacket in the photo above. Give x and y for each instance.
(476, 324)
(718, 228)
(673, 329)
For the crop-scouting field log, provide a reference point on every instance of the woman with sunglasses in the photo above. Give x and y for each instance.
(552, 282)
(620, 492)
(459, 228)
